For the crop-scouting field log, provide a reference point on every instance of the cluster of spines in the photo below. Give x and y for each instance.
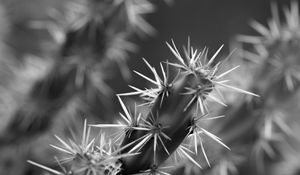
(93, 156)
(176, 110)
(153, 136)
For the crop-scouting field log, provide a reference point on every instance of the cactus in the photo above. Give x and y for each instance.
(176, 112)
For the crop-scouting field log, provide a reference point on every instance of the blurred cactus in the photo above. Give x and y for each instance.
(79, 45)
(90, 37)
(261, 125)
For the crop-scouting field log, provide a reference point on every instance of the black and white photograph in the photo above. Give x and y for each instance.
(149, 87)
